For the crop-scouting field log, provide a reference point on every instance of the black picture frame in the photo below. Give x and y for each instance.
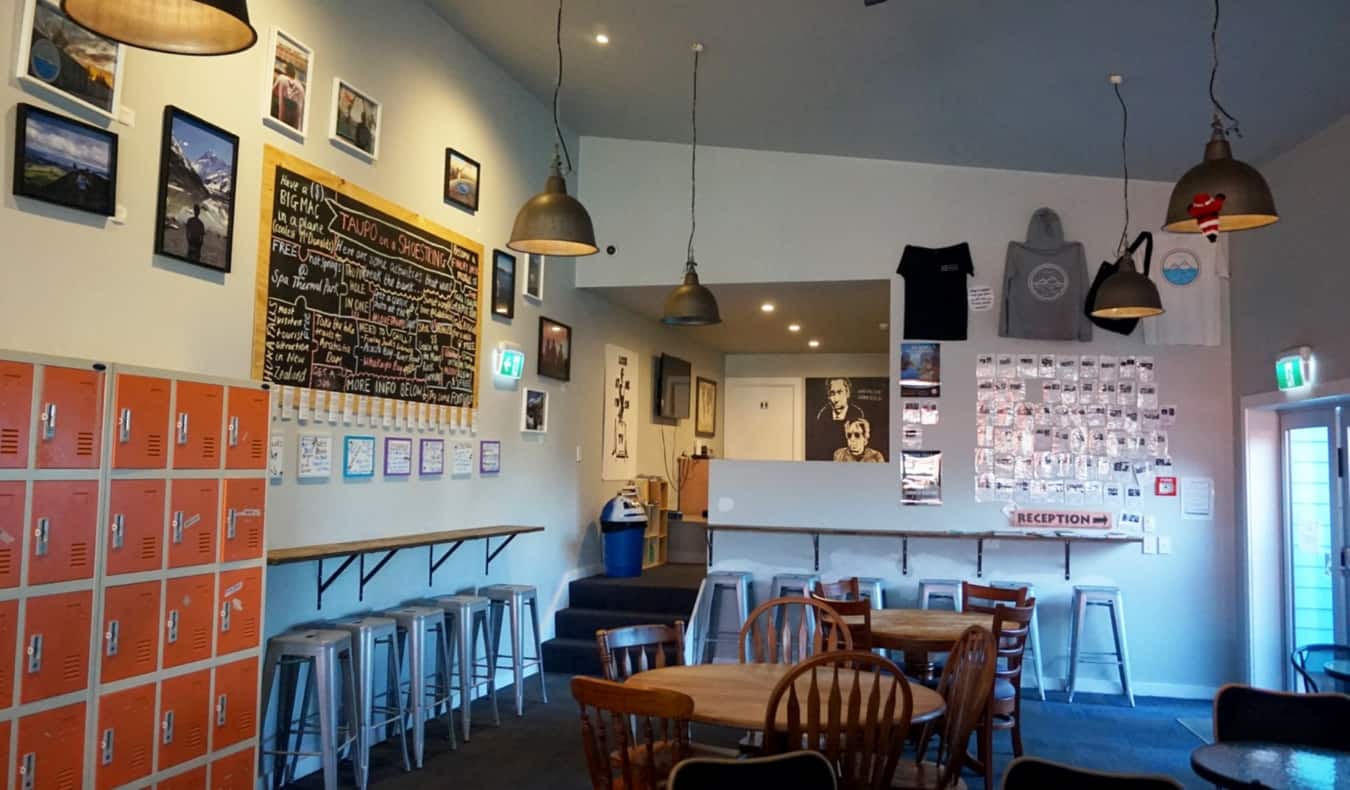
(173, 159)
(503, 284)
(699, 384)
(455, 195)
(71, 188)
(554, 335)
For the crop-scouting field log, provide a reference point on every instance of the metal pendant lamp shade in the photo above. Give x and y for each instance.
(1248, 202)
(179, 27)
(1127, 294)
(691, 304)
(553, 222)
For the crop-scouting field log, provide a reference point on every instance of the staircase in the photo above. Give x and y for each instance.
(661, 595)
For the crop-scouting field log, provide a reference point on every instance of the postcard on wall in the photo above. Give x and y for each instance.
(398, 452)
(912, 437)
(984, 366)
(315, 456)
(920, 370)
(928, 413)
(461, 455)
(431, 457)
(1197, 498)
(921, 480)
(489, 457)
(358, 456)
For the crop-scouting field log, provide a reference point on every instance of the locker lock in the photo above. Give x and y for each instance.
(233, 432)
(35, 653)
(173, 626)
(225, 617)
(178, 526)
(167, 726)
(106, 747)
(230, 518)
(119, 531)
(114, 631)
(41, 535)
(49, 421)
(28, 770)
(183, 428)
(124, 426)
(220, 710)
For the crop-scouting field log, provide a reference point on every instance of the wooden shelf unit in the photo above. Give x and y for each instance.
(654, 494)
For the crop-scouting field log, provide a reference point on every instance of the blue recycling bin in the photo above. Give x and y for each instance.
(624, 523)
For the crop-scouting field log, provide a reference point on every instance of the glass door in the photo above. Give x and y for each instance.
(1314, 497)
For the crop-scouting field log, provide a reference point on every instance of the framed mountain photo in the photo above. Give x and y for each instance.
(197, 170)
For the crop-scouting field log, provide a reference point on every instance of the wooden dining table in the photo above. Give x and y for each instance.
(922, 632)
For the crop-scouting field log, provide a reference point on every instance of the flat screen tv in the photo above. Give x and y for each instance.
(673, 383)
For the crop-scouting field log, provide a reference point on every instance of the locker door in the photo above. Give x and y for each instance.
(196, 427)
(130, 645)
(70, 418)
(190, 780)
(189, 605)
(125, 736)
(9, 634)
(16, 413)
(242, 522)
(236, 712)
(240, 615)
(184, 709)
(64, 528)
(56, 645)
(5, 728)
(246, 429)
(11, 532)
(193, 514)
(49, 743)
(136, 526)
(141, 436)
(235, 772)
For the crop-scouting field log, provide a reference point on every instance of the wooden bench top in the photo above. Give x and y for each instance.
(347, 548)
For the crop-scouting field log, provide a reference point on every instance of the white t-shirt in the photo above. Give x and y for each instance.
(1191, 274)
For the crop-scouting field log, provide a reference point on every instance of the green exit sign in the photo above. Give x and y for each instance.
(1291, 372)
(510, 363)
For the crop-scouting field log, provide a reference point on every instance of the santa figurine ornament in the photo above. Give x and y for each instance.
(1205, 210)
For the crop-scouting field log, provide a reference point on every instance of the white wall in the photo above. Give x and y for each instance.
(806, 365)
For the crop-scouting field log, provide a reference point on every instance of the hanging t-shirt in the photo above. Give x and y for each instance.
(1191, 274)
(935, 291)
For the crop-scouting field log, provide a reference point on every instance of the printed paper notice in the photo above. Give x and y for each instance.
(315, 458)
(1197, 498)
(980, 298)
(462, 459)
(921, 482)
(912, 437)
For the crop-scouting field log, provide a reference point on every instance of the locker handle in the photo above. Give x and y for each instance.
(178, 526)
(124, 426)
(28, 770)
(107, 747)
(167, 726)
(119, 531)
(114, 631)
(234, 432)
(173, 626)
(183, 428)
(49, 421)
(220, 711)
(42, 533)
(225, 617)
(230, 524)
(35, 653)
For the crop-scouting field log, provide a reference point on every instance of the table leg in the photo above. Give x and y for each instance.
(919, 666)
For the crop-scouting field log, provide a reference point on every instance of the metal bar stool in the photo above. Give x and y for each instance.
(369, 632)
(1033, 638)
(467, 618)
(328, 655)
(515, 597)
(873, 589)
(420, 628)
(705, 629)
(794, 584)
(939, 589)
(1109, 598)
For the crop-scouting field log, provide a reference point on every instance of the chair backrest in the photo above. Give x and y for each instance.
(861, 609)
(966, 685)
(638, 648)
(1012, 624)
(1031, 773)
(802, 770)
(789, 630)
(843, 590)
(1308, 661)
(1243, 713)
(631, 737)
(979, 598)
(855, 709)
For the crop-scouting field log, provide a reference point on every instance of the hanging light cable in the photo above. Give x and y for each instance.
(692, 304)
(553, 222)
(179, 27)
(1221, 193)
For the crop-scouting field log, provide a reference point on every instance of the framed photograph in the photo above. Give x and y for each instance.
(533, 283)
(63, 161)
(555, 349)
(489, 457)
(534, 411)
(503, 284)
(398, 453)
(197, 172)
(461, 180)
(356, 120)
(290, 72)
(59, 57)
(431, 457)
(358, 456)
(705, 408)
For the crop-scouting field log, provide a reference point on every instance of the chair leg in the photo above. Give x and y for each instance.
(1076, 637)
(1122, 653)
(1017, 726)
(489, 648)
(538, 650)
(328, 720)
(444, 669)
(517, 664)
(355, 725)
(1036, 656)
(395, 700)
(306, 674)
(285, 711)
(417, 694)
(464, 650)
(987, 749)
(365, 733)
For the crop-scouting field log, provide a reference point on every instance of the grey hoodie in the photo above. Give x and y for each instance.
(1045, 284)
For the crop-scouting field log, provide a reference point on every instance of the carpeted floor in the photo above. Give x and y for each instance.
(542, 751)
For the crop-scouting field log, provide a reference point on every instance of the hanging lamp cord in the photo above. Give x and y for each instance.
(557, 88)
(693, 164)
(1213, 73)
(1125, 167)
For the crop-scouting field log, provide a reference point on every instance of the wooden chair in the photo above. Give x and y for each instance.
(638, 648)
(843, 590)
(1012, 624)
(1308, 661)
(965, 683)
(1243, 713)
(799, 770)
(1030, 773)
(860, 734)
(986, 598)
(789, 630)
(859, 608)
(632, 738)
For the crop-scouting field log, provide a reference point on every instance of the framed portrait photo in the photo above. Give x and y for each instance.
(356, 119)
(532, 284)
(195, 209)
(461, 180)
(60, 58)
(705, 408)
(534, 411)
(290, 73)
(555, 349)
(64, 161)
(503, 284)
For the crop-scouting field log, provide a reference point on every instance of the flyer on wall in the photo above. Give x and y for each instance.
(921, 481)
(920, 370)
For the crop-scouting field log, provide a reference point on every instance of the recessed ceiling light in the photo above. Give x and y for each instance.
(767, 307)
(813, 343)
(794, 327)
(601, 38)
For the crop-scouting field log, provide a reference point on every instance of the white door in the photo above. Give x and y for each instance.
(764, 420)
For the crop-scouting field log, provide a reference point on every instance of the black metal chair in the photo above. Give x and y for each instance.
(1308, 661)
(801, 770)
(1030, 773)
(1243, 713)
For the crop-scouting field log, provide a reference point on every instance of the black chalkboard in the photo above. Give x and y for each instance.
(357, 295)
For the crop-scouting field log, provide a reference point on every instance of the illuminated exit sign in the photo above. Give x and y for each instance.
(1292, 368)
(510, 363)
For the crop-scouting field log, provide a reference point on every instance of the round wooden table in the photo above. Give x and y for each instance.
(736, 695)
(919, 632)
(1253, 764)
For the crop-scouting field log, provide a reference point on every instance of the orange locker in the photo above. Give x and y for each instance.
(246, 429)
(184, 710)
(136, 526)
(5, 729)
(9, 634)
(242, 522)
(130, 630)
(11, 531)
(16, 413)
(56, 645)
(126, 736)
(141, 435)
(49, 743)
(189, 615)
(64, 527)
(240, 615)
(70, 418)
(196, 426)
(235, 772)
(194, 507)
(236, 703)
(190, 780)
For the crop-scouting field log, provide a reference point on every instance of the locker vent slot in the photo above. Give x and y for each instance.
(209, 447)
(148, 548)
(196, 739)
(79, 555)
(84, 444)
(204, 543)
(6, 562)
(72, 670)
(145, 652)
(154, 445)
(251, 629)
(253, 538)
(68, 778)
(246, 722)
(140, 757)
(256, 450)
(201, 640)
(9, 441)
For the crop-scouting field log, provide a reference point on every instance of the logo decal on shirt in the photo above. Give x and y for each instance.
(1048, 282)
(1181, 267)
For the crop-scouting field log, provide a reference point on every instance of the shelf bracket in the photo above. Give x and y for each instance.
(710, 532)
(434, 565)
(366, 577)
(1067, 544)
(490, 555)
(979, 558)
(904, 556)
(815, 549)
(324, 584)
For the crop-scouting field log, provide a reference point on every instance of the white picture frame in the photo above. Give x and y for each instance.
(49, 88)
(532, 283)
(534, 410)
(334, 127)
(278, 37)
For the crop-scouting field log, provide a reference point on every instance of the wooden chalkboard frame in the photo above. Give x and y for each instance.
(274, 158)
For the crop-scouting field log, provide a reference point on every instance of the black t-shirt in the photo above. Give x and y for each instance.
(935, 291)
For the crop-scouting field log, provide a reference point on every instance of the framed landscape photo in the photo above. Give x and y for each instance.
(503, 284)
(705, 408)
(461, 180)
(555, 349)
(64, 161)
(195, 209)
(533, 281)
(356, 120)
(59, 57)
(534, 411)
(290, 72)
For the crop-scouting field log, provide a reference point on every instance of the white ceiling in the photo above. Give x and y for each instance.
(1012, 85)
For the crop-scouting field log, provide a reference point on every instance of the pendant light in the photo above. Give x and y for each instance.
(692, 304)
(1127, 293)
(179, 27)
(553, 222)
(1246, 199)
